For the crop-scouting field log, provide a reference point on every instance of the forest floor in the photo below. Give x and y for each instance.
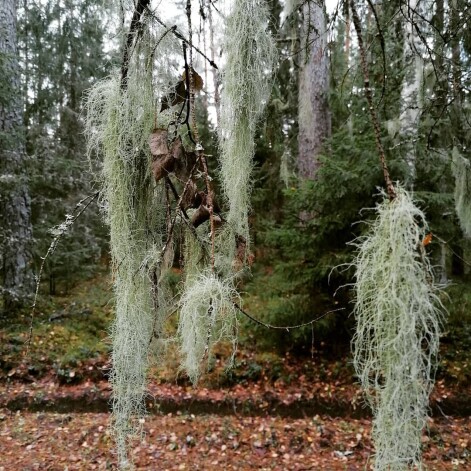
(272, 411)
(299, 424)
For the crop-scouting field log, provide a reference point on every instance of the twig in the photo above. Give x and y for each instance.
(186, 218)
(451, 250)
(194, 128)
(62, 229)
(369, 97)
(177, 210)
(217, 101)
(276, 327)
(210, 207)
(286, 327)
(168, 30)
(133, 28)
(180, 36)
(383, 47)
(188, 75)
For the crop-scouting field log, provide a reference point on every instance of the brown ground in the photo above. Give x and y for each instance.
(262, 424)
(51, 441)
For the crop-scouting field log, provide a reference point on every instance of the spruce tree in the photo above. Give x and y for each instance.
(15, 204)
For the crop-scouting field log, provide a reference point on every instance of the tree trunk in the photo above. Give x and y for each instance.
(411, 102)
(15, 212)
(313, 111)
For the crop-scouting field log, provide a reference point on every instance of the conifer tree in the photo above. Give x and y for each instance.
(15, 205)
(313, 95)
(61, 49)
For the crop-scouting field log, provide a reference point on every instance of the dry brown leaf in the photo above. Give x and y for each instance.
(197, 80)
(163, 161)
(176, 96)
(158, 142)
(192, 197)
(200, 216)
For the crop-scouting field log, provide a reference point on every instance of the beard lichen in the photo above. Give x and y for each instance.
(207, 309)
(121, 113)
(398, 314)
(246, 85)
(207, 316)
(117, 125)
(462, 173)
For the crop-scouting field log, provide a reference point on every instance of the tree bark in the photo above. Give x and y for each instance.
(15, 212)
(313, 111)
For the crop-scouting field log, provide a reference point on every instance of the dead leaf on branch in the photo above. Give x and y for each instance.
(163, 161)
(176, 96)
(179, 93)
(202, 214)
(192, 198)
(175, 159)
(197, 80)
(158, 142)
(170, 159)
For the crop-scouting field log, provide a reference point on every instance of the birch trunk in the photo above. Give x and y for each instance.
(15, 212)
(313, 111)
(411, 100)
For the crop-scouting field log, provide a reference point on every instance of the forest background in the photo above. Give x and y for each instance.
(310, 188)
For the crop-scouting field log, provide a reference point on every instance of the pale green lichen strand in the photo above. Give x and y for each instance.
(118, 124)
(207, 315)
(398, 315)
(462, 173)
(246, 85)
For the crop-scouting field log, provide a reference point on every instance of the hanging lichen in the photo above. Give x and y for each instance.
(154, 182)
(207, 316)
(246, 85)
(398, 326)
(207, 309)
(462, 173)
(118, 123)
(286, 174)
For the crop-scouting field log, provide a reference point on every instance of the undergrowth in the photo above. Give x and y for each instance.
(69, 336)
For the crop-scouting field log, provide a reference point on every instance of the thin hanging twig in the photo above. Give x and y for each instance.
(79, 209)
(286, 327)
(369, 97)
(199, 148)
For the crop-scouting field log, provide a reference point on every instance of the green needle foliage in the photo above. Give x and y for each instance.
(399, 316)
